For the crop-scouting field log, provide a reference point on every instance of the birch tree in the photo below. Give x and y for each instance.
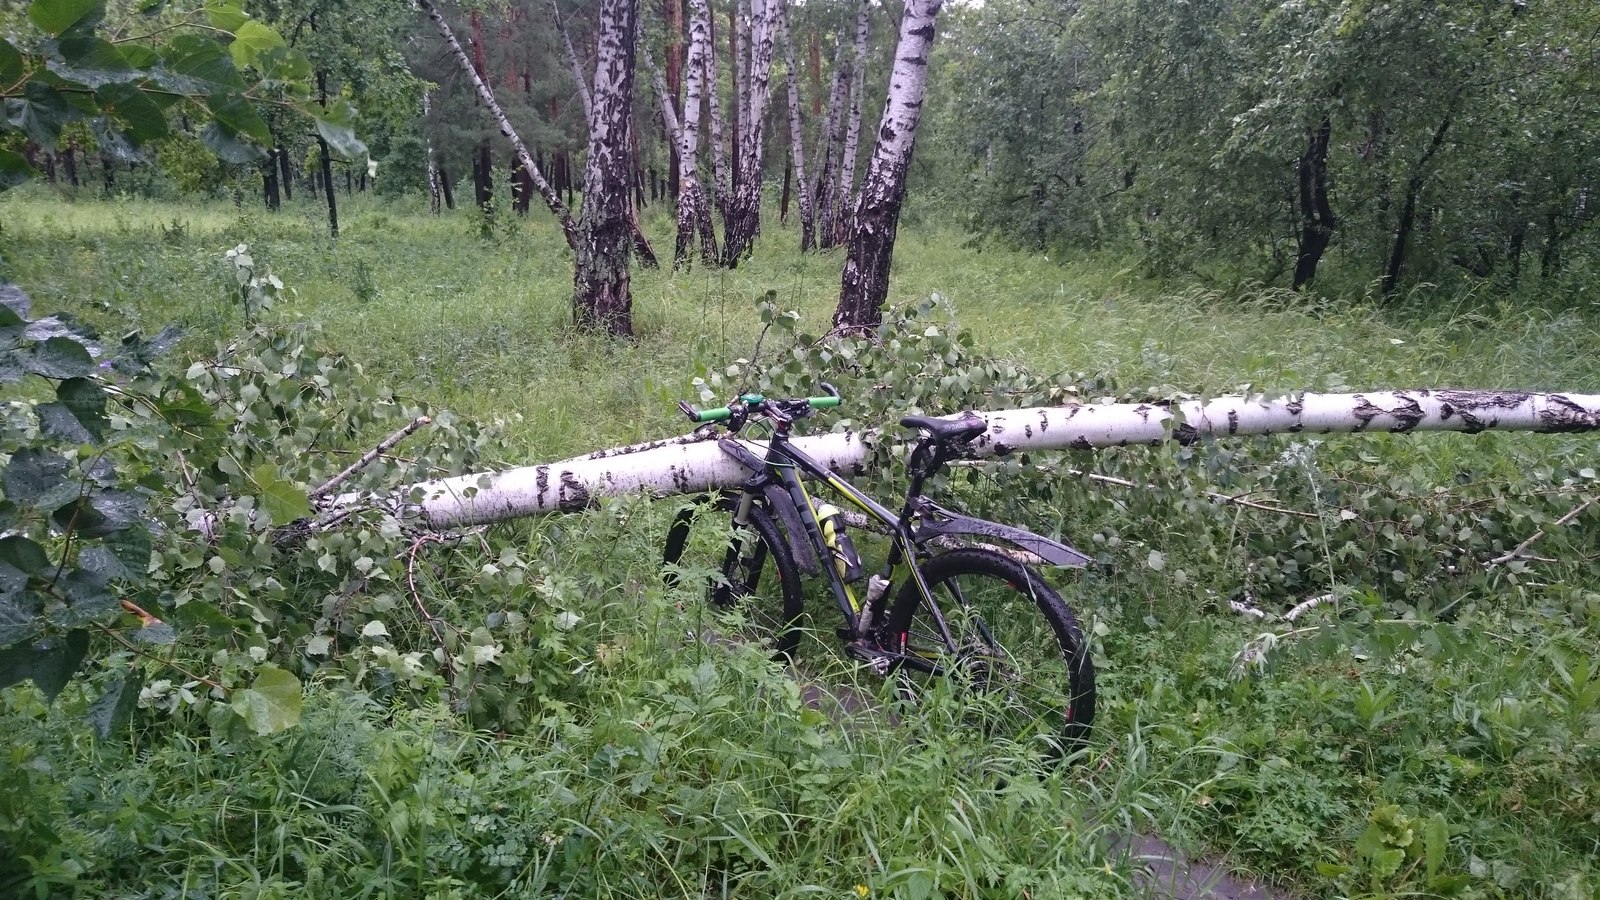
(602, 298)
(797, 146)
(852, 134)
(827, 150)
(870, 246)
(743, 215)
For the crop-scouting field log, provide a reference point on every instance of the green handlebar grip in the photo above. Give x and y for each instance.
(714, 415)
(823, 402)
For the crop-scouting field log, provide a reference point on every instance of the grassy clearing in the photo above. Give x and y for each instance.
(662, 766)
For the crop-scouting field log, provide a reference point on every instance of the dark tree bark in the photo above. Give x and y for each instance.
(285, 174)
(1317, 221)
(743, 220)
(694, 209)
(1408, 211)
(327, 163)
(870, 249)
(446, 188)
(269, 180)
(824, 196)
(69, 161)
(602, 297)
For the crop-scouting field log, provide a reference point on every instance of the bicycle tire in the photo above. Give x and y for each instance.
(1044, 667)
(698, 544)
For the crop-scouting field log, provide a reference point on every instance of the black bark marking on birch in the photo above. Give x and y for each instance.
(1143, 412)
(1003, 449)
(573, 494)
(1446, 411)
(1044, 421)
(1027, 430)
(1233, 421)
(1563, 415)
(1407, 415)
(1080, 443)
(1365, 412)
(1295, 407)
(541, 480)
(1185, 434)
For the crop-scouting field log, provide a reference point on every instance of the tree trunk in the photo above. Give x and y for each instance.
(688, 465)
(797, 147)
(433, 167)
(576, 66)
(738, 19)
(719, 157)
(602, 300)
(870, 248)
(327, 163)
(286, 174)
(551, 198)
(674, 18)
(693, 213)
(69, 161)
(827, 151)
(446, 189)
(844, 205)
(742, 227)
(1316, 214)
(788, 186)
(1408, 211)
(269, 180)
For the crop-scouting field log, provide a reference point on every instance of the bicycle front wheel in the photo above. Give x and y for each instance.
(1019, 652)
(746, 571)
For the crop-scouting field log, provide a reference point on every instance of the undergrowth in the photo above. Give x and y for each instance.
(1431, 729)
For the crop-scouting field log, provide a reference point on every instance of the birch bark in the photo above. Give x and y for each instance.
(745, 211)
(827, 151)
(602, 299)
(797, 147)
(870, 246)
(845, 205)
(694, 213)
(719, 157)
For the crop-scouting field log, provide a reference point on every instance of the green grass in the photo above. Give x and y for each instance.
(662, 766)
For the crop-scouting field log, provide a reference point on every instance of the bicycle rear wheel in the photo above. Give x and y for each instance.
(747, 571)
(1019, 649)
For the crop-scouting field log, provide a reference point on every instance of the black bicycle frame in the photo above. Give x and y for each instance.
(778, 470)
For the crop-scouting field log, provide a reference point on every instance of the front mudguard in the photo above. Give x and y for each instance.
(937, 521)
(775, 499)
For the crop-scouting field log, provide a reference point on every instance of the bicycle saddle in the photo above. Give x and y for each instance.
(943, 430)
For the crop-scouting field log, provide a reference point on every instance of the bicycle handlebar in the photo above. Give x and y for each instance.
(746, 401)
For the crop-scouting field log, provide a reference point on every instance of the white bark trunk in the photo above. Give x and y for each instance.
(845, 205)
(719, 153)
(759, 30)
(797, 136)
(573, 63)
(551, 198)
(433, 167)
(664, 468)
(876, 218)
(694, 210)
(828, 148)
(602, 295)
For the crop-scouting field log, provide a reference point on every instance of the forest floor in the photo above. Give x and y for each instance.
(1485, 746)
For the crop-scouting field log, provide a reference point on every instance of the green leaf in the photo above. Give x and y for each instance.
(16, 305)
(61, 357)
(238, 115)
(10, 64)
(19, 612)
(92, 62)
(197, 65)
(55, 16)
(49, 663)
(39, 478)
(250, 40)
(228, 147)
(1435, 843)
(14, 169)
(24, 555)
(226, 15)
(103, 513)
(144, 120)
(270, 705)
(336, 125)
(89, 600)
(281, 500)
(110, 712)
(40, 113)
(85, 400)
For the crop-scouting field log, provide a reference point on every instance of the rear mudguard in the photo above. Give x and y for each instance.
(937, 521)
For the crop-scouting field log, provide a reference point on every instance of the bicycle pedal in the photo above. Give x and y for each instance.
(880, 661)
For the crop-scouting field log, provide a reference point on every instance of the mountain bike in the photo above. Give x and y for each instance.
(978, 613)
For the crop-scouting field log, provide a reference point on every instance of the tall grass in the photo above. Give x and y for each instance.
(672, 766)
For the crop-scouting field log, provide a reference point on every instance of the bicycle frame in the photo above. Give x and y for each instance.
(780, 479)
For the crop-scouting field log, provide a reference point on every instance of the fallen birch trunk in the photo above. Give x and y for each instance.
(685, 465)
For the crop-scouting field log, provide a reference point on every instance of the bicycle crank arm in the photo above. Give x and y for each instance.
(884, 661)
